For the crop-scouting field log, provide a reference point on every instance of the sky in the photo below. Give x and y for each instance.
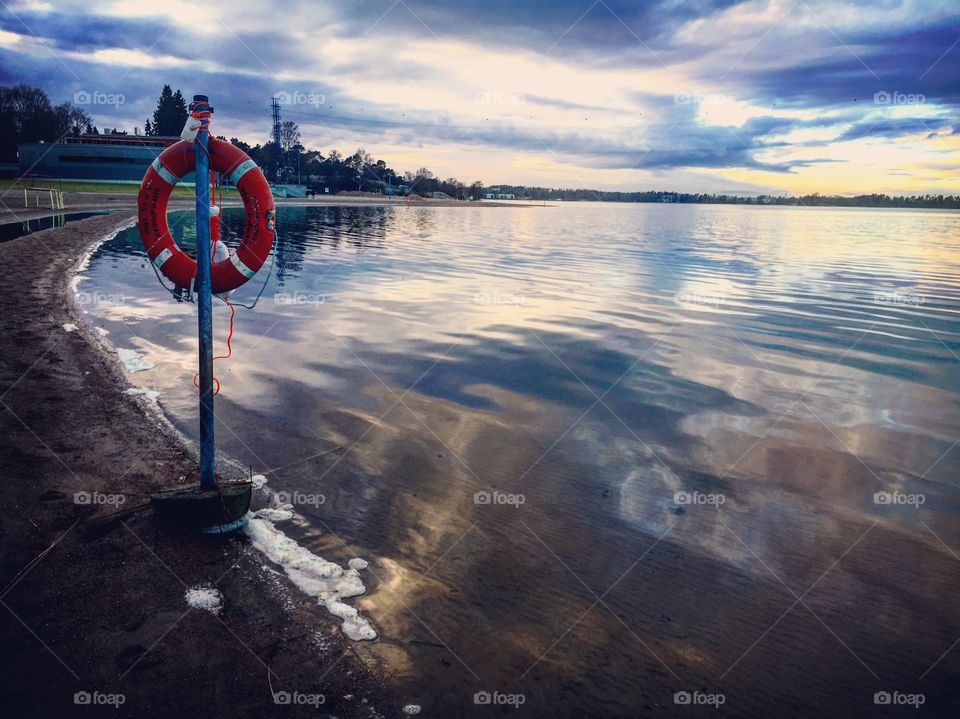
(779, 96)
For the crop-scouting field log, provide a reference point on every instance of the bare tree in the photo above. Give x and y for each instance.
(289, 135)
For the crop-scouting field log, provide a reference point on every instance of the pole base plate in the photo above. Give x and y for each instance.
(216, 510)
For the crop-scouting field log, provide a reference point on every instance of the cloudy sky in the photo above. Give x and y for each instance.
(700, 95)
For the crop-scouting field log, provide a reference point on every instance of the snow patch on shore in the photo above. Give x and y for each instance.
(276, 514)
(143, 392)
(133, 360)
(328, 582)
(70, 327)
(206, 598)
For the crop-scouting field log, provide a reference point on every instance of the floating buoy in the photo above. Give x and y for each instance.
(259, 229)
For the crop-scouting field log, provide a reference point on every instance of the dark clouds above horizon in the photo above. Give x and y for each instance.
(699, 95)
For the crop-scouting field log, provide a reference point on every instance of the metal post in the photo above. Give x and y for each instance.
(204, 297)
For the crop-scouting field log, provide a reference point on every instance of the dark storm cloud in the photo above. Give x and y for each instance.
(264, 52)
(538, 25)
(562, 104)
(679, 143)
(90, 32)
(895, 127)
(917, 62)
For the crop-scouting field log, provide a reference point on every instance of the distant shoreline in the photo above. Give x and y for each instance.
(879, 200)
(92, 201)
(86, 201)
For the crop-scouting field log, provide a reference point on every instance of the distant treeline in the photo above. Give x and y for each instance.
(27, 115)
(815, 200)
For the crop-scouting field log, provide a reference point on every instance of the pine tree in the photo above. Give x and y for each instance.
(171, 112)
(181, 106)
(147, 128)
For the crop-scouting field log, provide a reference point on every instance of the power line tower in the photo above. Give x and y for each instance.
(278, 149)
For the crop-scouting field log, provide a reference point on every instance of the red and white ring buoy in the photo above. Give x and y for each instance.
(259, 229)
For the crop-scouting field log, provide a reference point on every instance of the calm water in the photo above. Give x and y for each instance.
(678, 420)
(13, 230)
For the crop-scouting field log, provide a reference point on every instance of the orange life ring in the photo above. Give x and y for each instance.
(259, 229)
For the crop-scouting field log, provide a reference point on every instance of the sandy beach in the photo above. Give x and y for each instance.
(100, 607)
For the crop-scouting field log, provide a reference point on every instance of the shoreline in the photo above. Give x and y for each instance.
(92, 201)
(99, 607)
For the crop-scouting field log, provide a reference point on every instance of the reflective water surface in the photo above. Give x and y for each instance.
(13, 230)
(601, 454)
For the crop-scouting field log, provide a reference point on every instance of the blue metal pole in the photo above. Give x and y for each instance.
(204, 297)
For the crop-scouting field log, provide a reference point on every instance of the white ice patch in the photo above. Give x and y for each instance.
(134, 361)
(143, 392)
(411, 710)
(277, 514)
(328, 582)
(206, 598)
(259, 480)
(102, 332)
(70, 327)
(357, 563)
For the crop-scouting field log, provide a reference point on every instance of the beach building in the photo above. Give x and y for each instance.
(110, 158)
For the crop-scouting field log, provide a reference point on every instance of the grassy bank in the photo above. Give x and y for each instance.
(117, 188)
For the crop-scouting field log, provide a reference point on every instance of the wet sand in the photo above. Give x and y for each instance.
(89, 607)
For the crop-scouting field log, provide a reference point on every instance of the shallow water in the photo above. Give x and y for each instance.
(13, 230)
(594, 452)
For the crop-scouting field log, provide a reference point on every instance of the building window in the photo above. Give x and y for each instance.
(112, 159)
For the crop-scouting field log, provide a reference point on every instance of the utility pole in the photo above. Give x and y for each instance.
(278, 167)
